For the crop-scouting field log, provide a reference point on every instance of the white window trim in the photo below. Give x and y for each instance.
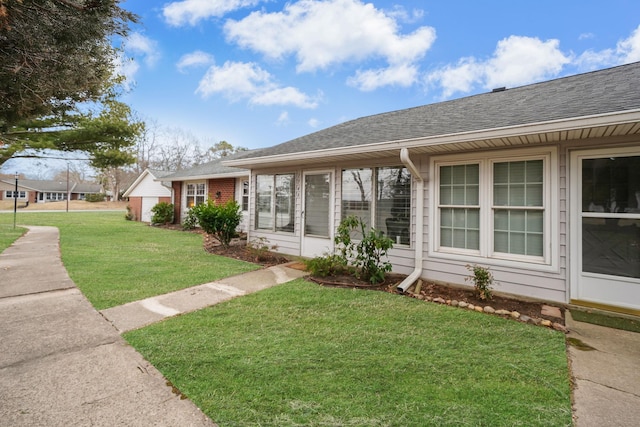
(485, 255)
(294, 194)
(194, 183)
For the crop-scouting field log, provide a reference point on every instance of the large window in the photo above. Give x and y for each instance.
(196, 194)
(494, 207)
(275, 202)
(381, 197)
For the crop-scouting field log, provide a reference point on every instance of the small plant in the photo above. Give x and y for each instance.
(191, 220)
(259, 247)
(482, 281)
(327, 265)
(365, 255)
(129, 216)
(219, 220)
(162, 213)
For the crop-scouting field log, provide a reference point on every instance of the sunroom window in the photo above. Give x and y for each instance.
(196, 194)
(381, 198)
(275, 202)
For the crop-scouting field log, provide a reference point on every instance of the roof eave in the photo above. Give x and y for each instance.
(585, 122)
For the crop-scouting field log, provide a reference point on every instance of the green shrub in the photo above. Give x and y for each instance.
(129, 216)
(327, 265)
(482, 281)
(259, 248)
(191, 220)
(97, 197)
(219, 220)
(367, 254)
(162, 213)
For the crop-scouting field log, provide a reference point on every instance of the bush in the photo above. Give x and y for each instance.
(191, 220)
(327, 265)
(97, 197)
(259, 248)
(129, 216)
(482, 281)
(219, 220)
(162, 213)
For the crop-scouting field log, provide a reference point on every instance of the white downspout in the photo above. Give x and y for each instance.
(415, 275)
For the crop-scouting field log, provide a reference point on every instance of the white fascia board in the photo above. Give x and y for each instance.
(136, 182)
(205, 176)
(584, 122)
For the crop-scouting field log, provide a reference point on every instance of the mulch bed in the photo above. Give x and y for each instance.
(239, 249)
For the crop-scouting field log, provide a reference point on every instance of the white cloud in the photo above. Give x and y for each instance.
(190, 12)
(629, 49)
(239, 80)
(396, 75)
(283, 119)
(516, 61)
(127, 68)
(142, 46)
(314, 123)
(194, 59)
(322, 35)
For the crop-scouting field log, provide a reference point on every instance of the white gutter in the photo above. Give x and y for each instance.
(417, 271)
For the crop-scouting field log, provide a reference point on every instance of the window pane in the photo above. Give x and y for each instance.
(461, 186)
(459, 228)
(611, 246)
(285, 203)
(534, 195)
(264, 186)
(518, 183)
(356, 194)
(611, 185)
(393, 203)
(316, 204)
(518, 232)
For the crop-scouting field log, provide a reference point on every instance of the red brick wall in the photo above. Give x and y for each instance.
(226, 187)
(177, 200)
(136, 207)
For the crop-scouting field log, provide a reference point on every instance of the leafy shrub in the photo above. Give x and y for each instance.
(219, 220)
(191, 220)
(129, 216)
(97, 197)
(482, 281)
(327, 265)
(162, 213)
(365, 255)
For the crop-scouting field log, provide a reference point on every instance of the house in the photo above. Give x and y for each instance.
(209, 181)
(37, 191)
(147, 191)
(540, 183)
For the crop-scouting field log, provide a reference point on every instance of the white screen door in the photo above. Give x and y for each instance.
(606, 229)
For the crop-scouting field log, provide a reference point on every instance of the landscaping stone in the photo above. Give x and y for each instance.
(524, 318)
(503, 312)
(462, 304)
(548, 310)
(515, 314)
(546, 322)
(454, 302)
(471, 307)
(439, 300)
(558, 327)
(478, 309)
(489, 309)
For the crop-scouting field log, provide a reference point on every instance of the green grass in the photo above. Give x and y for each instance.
(303, 355)
(114, 261)
(8, 234)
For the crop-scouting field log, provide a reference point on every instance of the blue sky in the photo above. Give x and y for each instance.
(259, 72)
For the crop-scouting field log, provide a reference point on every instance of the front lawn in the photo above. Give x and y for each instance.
(303, 355)
(114, 261)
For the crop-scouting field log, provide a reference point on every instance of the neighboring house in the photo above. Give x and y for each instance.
(35, 191)
(147, 191)
(541, 183)
(210, 181)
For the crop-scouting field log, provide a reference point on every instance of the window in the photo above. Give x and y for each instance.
(494, 208)
(381, 197)
(245, 195)
(12, 194)
(275, 202)
(196, 194)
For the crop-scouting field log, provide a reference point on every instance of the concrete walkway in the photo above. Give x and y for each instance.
(605, 365)
(63, 364)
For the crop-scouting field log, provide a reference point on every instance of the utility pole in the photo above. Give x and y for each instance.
(15, 202)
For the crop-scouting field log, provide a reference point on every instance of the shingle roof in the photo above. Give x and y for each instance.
(594, 93)
(209, 169)
(57, 186)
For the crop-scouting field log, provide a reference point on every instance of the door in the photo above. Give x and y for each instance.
(317, 214)
(147, 204)
(606, 229)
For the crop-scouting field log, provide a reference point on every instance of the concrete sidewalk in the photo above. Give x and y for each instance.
(605, 364)
(63, 364)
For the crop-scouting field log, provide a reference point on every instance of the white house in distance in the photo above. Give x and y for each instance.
(147, 191)
(541, 183)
